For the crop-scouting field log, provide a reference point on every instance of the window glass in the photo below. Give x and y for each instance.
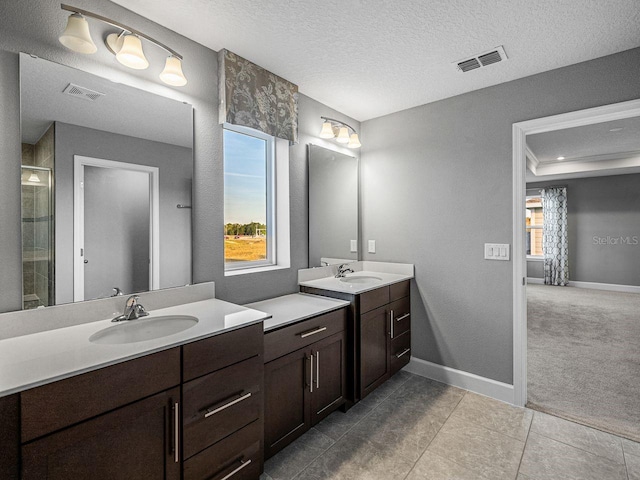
(534, 220)
(247, 229)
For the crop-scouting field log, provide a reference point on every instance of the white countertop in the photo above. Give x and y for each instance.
(376, 280)
(294, 308)
(32, 360)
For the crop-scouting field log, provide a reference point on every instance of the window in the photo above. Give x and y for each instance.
(534, 221)
(249, 200)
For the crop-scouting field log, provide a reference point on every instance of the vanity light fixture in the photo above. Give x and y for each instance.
(332, 128)
(126, 45)
(34, 177)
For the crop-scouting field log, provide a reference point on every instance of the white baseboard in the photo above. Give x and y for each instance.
(458, 378)
(611, 287)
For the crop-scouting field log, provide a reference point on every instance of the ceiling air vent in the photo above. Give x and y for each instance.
(482, 60)
(82, 92)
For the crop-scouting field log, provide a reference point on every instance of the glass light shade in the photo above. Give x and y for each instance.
(327, 130)
(76, 36)
(343, 135)
(354, 141)
(172, 73)
(34, 178)
(131, 54)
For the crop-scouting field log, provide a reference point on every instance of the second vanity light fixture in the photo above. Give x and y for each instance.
(126, 46)
(332, 128)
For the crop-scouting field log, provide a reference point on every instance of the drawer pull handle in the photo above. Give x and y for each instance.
(312, 332)
(227, 405)
(176, 432)
(391, 323)
(403, 353)
(318, 369)
(232, 473)
(403, 317)
(311, 383)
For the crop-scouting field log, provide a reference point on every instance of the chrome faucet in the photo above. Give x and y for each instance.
(343, 270)
(132, 310)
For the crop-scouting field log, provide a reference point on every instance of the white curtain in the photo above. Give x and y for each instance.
(555, 238)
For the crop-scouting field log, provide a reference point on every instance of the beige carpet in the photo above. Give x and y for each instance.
(584, 356)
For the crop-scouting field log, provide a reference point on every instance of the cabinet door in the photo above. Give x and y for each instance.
(287, 388)
(374, 347)
(329, 376)
(136, 441)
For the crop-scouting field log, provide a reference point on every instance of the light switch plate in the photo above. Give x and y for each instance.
(372, 246)
(354, 245)
(497, 251)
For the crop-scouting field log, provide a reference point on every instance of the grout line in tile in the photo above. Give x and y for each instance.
(526, 440)
(434, 437)
(576, 447)
(624, 458)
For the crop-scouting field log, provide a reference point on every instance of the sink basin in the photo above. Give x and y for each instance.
(143, 329)
(361, 279)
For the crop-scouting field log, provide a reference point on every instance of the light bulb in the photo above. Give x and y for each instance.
(172, 73)
(327, 130)
(343, 135)
(76, 35)
(354, 141)
(131, 54)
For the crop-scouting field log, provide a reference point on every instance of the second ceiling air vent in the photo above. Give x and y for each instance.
(482, 60)
(82, 92)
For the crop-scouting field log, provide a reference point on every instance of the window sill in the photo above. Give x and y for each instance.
(534, 259)
(245, 271)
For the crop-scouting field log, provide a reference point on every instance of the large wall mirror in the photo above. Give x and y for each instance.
(106, 186)
(333, 207)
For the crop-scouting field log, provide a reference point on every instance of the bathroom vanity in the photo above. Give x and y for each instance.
(188, 405)
(305, 351)
(379, 319)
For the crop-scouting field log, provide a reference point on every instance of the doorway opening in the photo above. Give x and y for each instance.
(588, 234)
(116, 228)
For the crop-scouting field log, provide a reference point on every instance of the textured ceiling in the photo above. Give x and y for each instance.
(368, 58)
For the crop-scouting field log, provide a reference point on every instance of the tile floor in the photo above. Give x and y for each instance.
(414, 428)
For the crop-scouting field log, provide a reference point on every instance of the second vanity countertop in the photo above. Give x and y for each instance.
(294, 308)
(376, 275)
(32, 360)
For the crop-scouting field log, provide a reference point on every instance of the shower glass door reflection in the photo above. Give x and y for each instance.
(37, 237)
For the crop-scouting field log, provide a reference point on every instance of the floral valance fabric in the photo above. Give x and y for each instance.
(254, 97)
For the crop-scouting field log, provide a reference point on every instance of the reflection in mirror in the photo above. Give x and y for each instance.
(333, 207)
(104, 169)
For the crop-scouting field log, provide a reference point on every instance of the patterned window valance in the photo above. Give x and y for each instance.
(254, 97)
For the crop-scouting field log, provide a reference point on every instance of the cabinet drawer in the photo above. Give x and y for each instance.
(400, 316)
(373, 299)
(57, 405)
(239, 453)
(211, 354)
(289, 339)
(400, 351)
(218, 404)
(399, 290)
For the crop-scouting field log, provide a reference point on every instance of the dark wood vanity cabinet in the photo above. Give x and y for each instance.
(223, 406)
(378, 334)
(305, 376)
(190, 412)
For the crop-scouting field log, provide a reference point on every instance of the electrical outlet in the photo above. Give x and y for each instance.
(372, 246)
(354, 246)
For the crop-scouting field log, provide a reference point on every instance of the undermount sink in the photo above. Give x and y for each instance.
(361, 279)
(143, 329)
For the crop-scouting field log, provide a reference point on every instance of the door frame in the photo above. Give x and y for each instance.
(615, 111)
(79, 162)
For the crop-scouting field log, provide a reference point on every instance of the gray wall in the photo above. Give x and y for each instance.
(436, 185)
(33, 26)
(176, 168)
(601, 207)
